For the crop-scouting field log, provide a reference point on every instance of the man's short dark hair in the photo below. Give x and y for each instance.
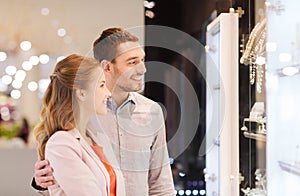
(105, 47)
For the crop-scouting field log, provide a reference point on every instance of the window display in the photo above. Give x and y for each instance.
(283, 92)
(272, 54)
(253, 125)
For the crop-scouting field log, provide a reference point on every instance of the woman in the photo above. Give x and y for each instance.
(76, 92)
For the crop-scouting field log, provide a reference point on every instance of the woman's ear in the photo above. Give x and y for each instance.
(106, 65)
(81, 94)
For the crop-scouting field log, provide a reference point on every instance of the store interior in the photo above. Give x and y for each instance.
(224, 72)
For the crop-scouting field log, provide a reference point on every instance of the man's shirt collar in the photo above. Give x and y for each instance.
(112, 105)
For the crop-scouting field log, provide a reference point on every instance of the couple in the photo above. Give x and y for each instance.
(119, 151)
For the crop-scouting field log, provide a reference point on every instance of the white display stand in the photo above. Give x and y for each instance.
(222, 159)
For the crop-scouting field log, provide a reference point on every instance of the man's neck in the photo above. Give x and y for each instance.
(119, 97)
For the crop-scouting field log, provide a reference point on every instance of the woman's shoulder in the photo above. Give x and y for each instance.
(62, 144)
(64, 137)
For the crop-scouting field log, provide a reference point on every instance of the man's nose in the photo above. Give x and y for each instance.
(141, 68)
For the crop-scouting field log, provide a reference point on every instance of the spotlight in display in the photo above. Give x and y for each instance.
(25, 45)
(45, 11)
(260, 60)
(181, 192)
(26, 65)
(16, 84)
(6, 79)
(32, 86)
(202, 192)
(44, 58)
(290, 71)
(60, 58)
(61, 32)
(34, 60)
(3, 87)
(3, 56)
(188, 192)
(15, 94)
(20, 75)
(11, 70)
(43, 84)
(181, 174)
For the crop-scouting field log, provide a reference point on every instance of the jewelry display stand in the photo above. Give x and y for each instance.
(222, 106)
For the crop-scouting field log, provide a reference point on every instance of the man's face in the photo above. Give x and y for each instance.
(129, 68)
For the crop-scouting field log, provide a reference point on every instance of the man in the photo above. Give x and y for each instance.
(134, 124)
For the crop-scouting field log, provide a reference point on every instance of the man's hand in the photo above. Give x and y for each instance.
(43, 174)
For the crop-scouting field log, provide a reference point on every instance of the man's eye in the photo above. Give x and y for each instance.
(132, 62)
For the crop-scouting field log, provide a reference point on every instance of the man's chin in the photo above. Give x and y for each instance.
(140, 88)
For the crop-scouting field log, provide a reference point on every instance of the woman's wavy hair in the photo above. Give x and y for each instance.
(60, 107)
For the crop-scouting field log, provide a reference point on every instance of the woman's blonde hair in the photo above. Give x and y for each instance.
(59, 106)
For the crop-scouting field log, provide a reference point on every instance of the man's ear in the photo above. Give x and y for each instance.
(81, 94)
(106, 65)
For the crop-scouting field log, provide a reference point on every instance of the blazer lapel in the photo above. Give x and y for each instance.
(102, 140)
(91, 152)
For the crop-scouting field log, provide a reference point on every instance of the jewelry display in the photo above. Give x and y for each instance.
(252, 72)
(254, 44)
(260, 78)
(259, 134)
(260, 185)
(256, 116)
(254, 54)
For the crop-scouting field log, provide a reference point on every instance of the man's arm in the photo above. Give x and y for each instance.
(43, 177)
(160, 176)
